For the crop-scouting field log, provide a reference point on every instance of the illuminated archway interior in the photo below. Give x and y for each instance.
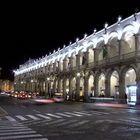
(130, 85)
(101, 85)
(114, 84)
(91, 85)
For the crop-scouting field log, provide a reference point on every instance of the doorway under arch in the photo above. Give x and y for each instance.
(130, 85)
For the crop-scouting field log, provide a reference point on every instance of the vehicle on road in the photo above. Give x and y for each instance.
(58, 97)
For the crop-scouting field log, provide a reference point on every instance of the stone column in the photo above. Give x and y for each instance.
(107, 85)
(96, 90)
(95, 56)
(138, 89)
(119, 49)
(86, 84)
(137, 44)
(54, 67)
(59, 84)
(70, 63)
(64, 64)
(70, 88)
(78, 88)
(78, 61)
(54, 85)
(121, 89)
(58, 66)
(87, 58)
(64, 88)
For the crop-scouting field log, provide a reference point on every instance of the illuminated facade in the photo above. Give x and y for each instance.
(105, 63)
(7, 86)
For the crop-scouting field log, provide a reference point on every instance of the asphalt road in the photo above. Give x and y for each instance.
(67, 121)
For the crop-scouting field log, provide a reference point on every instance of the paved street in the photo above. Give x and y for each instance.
(71, 121)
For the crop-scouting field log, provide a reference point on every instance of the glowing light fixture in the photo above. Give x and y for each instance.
(78, 74)
(127, 75)
(77, 39)
(106, 25)
(95, 30)
(85, 35)
(119, 19)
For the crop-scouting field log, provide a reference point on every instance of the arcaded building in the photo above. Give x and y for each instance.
(105, 63)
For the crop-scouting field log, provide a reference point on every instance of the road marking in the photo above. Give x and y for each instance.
(19, 137)
(65, 115)
(52, 115)
(3, 110)
(82, 113)
(10, 132)
(10, 118)
(130, 121)
(79, 123)
(70, 113)
(40, 139)
(21, 118)
(64, 123)
(22, 129)
(33, 117)
(43, 116)
(57, 121)
(11, 127)
(17, 133)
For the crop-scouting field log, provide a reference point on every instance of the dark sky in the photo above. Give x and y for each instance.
(34, 30)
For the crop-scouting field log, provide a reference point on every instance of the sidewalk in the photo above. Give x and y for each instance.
(116, 105)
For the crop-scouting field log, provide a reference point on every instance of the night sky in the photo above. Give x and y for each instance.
(34, 30)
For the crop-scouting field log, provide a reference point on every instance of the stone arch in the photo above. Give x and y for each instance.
(113, 44)
(73, 56)
(90, 54)
(61, 64)
(125, 78)
(99, 46)
(67, 62)
(91, 85)
(96, 82)
(128, 40)
(90, 44)
(81, 54)
(114, 83)
(101, 85)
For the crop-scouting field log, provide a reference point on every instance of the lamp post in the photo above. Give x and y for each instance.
(48, 79)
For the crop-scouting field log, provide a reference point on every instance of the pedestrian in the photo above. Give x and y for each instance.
(125, 98)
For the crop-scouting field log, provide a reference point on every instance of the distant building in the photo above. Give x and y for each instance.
(6, 85)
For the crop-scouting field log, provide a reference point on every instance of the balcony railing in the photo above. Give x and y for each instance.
(107, 61)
